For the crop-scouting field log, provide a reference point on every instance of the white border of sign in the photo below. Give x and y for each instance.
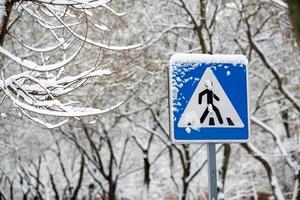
(205, 58)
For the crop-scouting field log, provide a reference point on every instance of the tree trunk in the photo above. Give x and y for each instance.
(146, 174)
(294, 11)
(298, 193)
(224, 168)
(184, 190)
(112, 191)
(6, 7)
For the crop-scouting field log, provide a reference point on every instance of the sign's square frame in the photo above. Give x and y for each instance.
(209, 60)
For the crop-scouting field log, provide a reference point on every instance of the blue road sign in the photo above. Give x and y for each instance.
(208, 97)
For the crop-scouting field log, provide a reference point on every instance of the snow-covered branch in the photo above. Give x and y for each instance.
(42, 89)
(281, 87)
(292, 164)
(261, 157)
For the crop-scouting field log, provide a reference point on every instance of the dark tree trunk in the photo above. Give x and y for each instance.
(224, 168)
(285, 118)
(3, 29)
(112, 191)
(184, 190)
(294, 11)
(146, 170)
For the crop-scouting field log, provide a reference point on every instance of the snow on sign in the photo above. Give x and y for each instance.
(208, 97)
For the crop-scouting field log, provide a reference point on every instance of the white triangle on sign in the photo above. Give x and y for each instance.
(215, 109)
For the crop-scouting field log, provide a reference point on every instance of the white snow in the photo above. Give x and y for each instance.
(188, 129)
(75, 2)
(178, 79)
(221, 195)
(277, 189)
(92, 122)
(33, 66)
(281, 3)
(68, 111)
(210, 109)
(102, 27)
(192, 121)
(292, 163)
(208, 84)
(207, 58)
(3, 115)
(98, 44)
(46, 124)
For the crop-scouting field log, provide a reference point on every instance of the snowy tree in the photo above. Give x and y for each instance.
(36, 63)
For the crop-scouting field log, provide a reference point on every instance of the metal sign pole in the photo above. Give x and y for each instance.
(212, 172)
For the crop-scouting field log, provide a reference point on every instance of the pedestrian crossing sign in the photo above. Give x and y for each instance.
(208, 98)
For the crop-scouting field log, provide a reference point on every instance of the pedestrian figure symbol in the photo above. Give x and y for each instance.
(209, 106)
(210, 102)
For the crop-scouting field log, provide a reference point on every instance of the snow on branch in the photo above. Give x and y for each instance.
(42, 85)
(281, 3)
(292, 163)
(267, 63)
(261, 157)
(35, 67)
(89, 41)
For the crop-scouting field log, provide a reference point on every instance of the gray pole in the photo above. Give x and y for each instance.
(212, 172)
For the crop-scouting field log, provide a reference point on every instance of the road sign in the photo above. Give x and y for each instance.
(209, 98)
